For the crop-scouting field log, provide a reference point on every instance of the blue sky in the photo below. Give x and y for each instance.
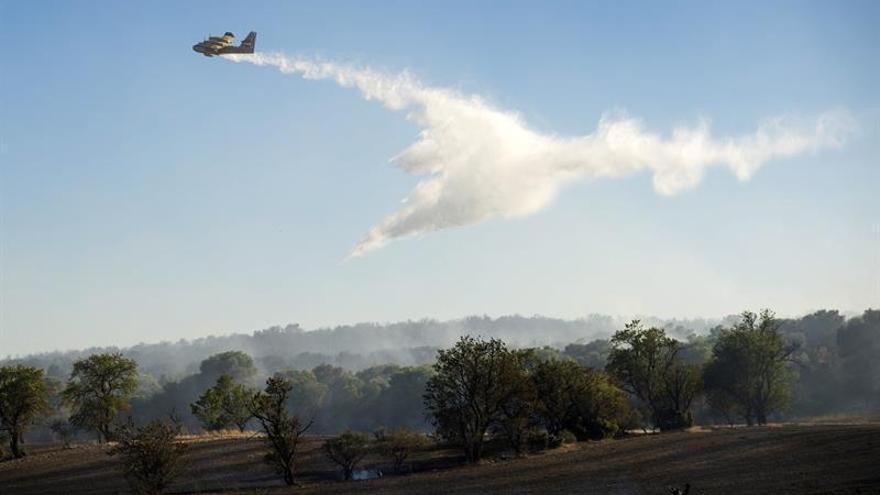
(148, 193)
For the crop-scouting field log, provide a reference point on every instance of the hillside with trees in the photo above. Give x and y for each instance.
(480, 397)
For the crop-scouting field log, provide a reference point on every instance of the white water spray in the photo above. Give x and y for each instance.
(481, 162)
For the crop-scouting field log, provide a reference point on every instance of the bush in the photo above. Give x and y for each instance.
(347, 450)
(399, 443)
(554, 441)
(537, 440)
(635, 419)
(541, 440)
(607, 428)
(151, 455)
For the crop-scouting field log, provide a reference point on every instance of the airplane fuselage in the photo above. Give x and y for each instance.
(204, 50)
(220, 45)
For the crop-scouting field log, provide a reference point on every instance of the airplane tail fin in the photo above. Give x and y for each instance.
(249, 42)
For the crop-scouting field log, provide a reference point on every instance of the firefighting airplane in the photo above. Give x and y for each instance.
(221, 45)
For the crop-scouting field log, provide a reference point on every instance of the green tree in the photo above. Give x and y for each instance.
(283, 430)
(401, 402)
(749, 367)
(347, 450)
(23, 398)
(473, 380)
(307, 395)
(517, 416)
(723, 406)
(648, 364)
(99, 387)
(343, 397)
(822, 386)
(583, 401)
(592, 354)
(859, 344)
(682, 384)
(224, 405)
(237, 364)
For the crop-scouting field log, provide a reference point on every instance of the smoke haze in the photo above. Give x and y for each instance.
(481, 162)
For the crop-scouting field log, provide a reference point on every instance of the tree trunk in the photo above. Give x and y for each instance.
(15, 438)
(762, 418)
(518, 446)
(472, 451)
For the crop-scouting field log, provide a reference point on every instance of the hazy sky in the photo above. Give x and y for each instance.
(149, 193)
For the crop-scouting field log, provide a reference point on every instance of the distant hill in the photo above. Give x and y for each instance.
(360, 345)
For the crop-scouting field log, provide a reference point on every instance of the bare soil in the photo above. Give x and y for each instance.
(812, 459)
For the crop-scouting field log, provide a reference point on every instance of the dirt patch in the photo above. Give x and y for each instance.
(815, 459)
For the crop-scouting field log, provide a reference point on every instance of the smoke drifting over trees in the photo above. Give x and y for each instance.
(370, 376)
(358, 346)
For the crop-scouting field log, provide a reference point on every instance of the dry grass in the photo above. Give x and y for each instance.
(210, 436)
(872, 417)
(787, 459)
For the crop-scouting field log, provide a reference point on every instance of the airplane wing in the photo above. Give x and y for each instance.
(247, 45)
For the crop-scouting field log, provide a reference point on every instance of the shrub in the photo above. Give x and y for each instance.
(554, 441)
(398, 443)
(347, 450)
(538, 440)
(151, 455)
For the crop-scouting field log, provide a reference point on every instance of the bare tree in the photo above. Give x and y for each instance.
(152, 457)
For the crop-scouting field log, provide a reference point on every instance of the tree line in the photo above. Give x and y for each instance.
(477, 391)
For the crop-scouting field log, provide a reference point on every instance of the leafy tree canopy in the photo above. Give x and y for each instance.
(99, 387)
(23, 397)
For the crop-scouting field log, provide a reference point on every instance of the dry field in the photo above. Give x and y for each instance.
(826, 459)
